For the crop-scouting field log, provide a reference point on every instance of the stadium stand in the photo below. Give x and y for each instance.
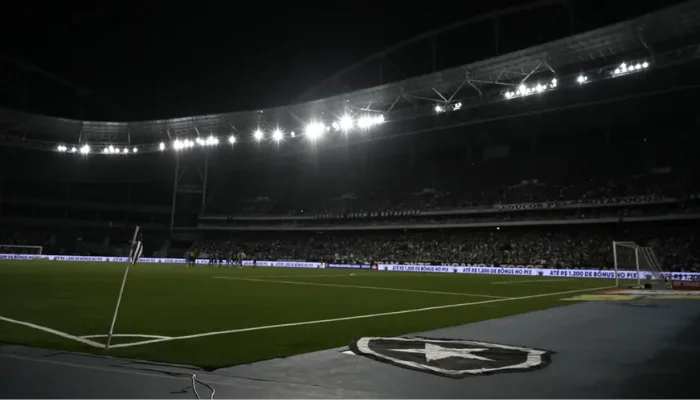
(547, 205)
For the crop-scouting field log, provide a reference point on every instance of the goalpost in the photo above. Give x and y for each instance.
(629, 256)
(17, 249)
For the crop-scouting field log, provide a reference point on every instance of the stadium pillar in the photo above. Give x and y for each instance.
(2, 182)
(175, 182)
(189, 181)
(204, 183)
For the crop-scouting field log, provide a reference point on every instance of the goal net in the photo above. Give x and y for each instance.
(16, 249)
(638, 266)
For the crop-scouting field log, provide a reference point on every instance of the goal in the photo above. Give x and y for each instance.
(16, 249)
(638, 264)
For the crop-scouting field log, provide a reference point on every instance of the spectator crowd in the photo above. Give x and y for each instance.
(552, 247)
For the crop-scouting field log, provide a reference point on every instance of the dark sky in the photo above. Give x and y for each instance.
(163, 59)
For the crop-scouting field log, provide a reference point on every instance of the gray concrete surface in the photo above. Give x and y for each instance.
(647, 349)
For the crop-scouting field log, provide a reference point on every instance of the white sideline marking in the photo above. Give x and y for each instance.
(322, 321)
(125, 335)
(362, 287)
(53, 331)
(531, 280)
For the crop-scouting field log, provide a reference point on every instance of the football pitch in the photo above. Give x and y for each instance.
(214, 317)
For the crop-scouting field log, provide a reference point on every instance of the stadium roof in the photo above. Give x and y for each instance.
(600, 48)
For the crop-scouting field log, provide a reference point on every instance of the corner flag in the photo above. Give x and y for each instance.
(134, 254)
(136, 249)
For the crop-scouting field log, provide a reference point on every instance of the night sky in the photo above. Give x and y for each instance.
(154, 59)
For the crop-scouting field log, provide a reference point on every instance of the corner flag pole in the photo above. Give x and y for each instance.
(133, 256)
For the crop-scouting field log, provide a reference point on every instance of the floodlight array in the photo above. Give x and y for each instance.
(447, 107)
(116, 150)
(626, 69)
(524, 90)
(313, 131)
(316, 130)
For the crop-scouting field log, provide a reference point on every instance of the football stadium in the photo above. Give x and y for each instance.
(521, 226)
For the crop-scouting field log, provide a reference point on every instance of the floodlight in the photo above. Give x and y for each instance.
(258, 134)
(161, 146)
(345, 123)
(232, 139)
(314, 130)
(136, 150)
(277, 135)
(364, 122)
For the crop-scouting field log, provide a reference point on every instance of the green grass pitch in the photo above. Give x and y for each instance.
(317, 308)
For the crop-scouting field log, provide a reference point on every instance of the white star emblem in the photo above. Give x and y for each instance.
(434, 352)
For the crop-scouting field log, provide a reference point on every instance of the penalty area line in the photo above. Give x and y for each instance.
(53, 332)
(355, 317)
(361, 287)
